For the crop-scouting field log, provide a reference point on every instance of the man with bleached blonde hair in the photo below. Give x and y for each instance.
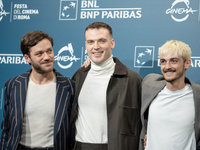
(170, 103)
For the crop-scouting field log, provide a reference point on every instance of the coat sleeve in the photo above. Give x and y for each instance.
(144, 123)
(198, 145)
(142, 134)
(5, 126)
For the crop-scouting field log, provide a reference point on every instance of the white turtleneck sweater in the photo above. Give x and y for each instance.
(91, 124)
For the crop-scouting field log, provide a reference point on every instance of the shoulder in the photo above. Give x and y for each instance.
(11, 81)
(123, 71)
(194, 85)
(153, 80)
(133, 75)
(80, 71)
(63, 79)
(153, 77)
(76, 73)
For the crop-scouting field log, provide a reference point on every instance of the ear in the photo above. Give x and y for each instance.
(187, 64)
(27, 58)
(112, 43)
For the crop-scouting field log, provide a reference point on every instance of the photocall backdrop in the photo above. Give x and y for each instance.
(140, 27)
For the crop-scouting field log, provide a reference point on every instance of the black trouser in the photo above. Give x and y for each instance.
(21, 147)
(90, 146)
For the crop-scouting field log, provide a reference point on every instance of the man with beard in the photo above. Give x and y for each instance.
(170, 103)
(37, 104)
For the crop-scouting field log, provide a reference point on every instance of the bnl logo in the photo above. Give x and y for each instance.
(68, 10)
(1, 100)
(2, 11)
(144, 56)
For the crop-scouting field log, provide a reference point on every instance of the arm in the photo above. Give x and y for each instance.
(5, 126)
(86, 63)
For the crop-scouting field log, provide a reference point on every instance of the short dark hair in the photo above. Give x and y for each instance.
(31, 39)
(98, 25)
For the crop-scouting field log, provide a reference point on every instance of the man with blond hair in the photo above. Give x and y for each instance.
(170, 103)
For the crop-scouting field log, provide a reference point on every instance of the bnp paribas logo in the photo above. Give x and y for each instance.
(144, 56)
(68, 10)
(2, 11)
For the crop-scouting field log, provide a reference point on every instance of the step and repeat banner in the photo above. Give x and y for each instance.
(140, 27)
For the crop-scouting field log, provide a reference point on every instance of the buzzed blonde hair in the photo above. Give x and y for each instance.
(178, 48)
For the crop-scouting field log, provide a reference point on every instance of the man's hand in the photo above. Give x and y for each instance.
(145, 140)
(86, 63)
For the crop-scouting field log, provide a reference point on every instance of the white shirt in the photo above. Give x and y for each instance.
(91, 124)
(171, 121)
(38, 122)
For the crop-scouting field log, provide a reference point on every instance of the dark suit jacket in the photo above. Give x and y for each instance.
(123, 106)
(14, 104)
(151, 86)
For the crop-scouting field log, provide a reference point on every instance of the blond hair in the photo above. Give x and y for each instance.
(178, 48)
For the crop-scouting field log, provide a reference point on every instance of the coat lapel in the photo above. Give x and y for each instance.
(150, 92)
(79, 79)
(20, 89)
(79, 84)
(63, 96)
(196, 95)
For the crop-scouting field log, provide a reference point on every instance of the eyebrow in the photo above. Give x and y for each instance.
(42, 50)
(170, 58)
(96, 39)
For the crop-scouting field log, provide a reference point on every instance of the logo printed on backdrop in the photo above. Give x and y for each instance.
(2, 11)
(144, 56)
(195, 62)
(180, 14)
(68, 10)
(18, 12)
(91, 10)
(12, 59)
(22, 12)
(65, 57)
